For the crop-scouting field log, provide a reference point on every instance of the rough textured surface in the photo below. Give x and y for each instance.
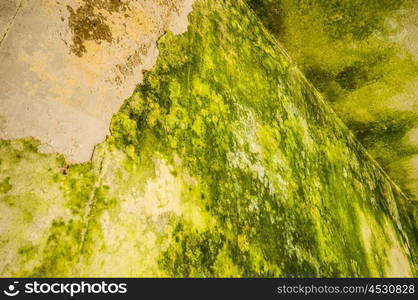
(224, 162)
(362, 56)
(67, 66)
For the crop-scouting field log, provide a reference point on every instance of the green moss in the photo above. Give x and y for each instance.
(350, 51)
(206, 116)
(61, 251)
(5, 185)
(28, 252)
(192, 254)
(224, 162)
(78, 186)
(385, 136)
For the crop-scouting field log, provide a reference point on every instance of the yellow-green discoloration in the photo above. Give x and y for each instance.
(225, 162)
(362, 56)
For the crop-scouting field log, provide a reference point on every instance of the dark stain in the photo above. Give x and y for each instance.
(127, 68)
(353, 77)
(64, 170)
(270, 14)
(86, 25)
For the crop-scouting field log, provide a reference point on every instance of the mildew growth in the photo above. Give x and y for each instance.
(87, 25)
(362, 57)
(224, 162)
(63, 79)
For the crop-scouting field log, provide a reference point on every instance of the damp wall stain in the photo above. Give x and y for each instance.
(362, 56)
(63, 79)
(224, 162)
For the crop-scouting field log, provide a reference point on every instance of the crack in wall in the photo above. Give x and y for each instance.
(63, 79)
(11, 23)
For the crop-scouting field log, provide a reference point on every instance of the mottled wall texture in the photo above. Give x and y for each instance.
(225, 161)
(66, 66)
(362, 55)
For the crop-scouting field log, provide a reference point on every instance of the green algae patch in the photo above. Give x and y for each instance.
(5, 185)
(360, 55)
(225, 162)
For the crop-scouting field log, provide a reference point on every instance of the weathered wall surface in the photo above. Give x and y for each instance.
(362, 56)
(67, 66)
(224, 162)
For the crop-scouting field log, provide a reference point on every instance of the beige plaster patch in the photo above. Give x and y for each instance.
(67, 99)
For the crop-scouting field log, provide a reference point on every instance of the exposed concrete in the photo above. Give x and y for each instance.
(67, 66)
